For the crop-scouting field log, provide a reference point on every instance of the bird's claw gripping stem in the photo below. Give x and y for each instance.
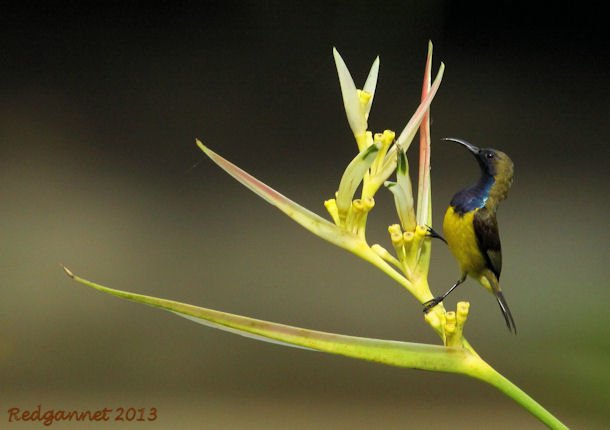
(434, 235)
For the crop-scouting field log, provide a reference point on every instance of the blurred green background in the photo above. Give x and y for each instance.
(99, 110)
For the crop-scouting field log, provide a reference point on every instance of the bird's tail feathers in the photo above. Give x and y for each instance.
(508, 317)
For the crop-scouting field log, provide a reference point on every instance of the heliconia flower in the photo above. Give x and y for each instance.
(379, 156)
(375, 162)
(357, 103)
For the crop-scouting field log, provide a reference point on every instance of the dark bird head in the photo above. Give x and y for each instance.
(493, 163)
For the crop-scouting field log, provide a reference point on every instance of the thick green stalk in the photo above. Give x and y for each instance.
(486, 373)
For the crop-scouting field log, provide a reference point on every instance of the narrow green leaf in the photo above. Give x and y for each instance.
(394, 353)
(311, 221)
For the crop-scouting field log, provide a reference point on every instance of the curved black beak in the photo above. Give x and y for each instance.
(475, 150)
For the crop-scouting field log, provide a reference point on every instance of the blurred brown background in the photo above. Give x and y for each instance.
(99, 109)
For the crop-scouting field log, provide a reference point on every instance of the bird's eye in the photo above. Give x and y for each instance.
(489, 155)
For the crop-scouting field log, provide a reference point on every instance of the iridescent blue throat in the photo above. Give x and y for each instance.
(473, 197)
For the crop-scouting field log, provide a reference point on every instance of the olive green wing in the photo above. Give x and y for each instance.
(488, 237)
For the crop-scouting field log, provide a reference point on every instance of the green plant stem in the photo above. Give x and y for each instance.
(486, 373)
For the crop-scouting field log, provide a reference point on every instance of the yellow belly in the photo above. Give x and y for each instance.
(459, 232)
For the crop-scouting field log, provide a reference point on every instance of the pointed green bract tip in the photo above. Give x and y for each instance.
(201, 145)
(68, 271)
(336, 55)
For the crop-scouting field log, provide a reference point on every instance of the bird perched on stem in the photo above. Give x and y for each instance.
(471, 229)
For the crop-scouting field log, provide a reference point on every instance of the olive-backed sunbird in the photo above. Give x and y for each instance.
(471, 229)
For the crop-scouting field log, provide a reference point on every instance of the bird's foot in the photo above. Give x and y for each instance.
(432, 303)
(433, 234)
